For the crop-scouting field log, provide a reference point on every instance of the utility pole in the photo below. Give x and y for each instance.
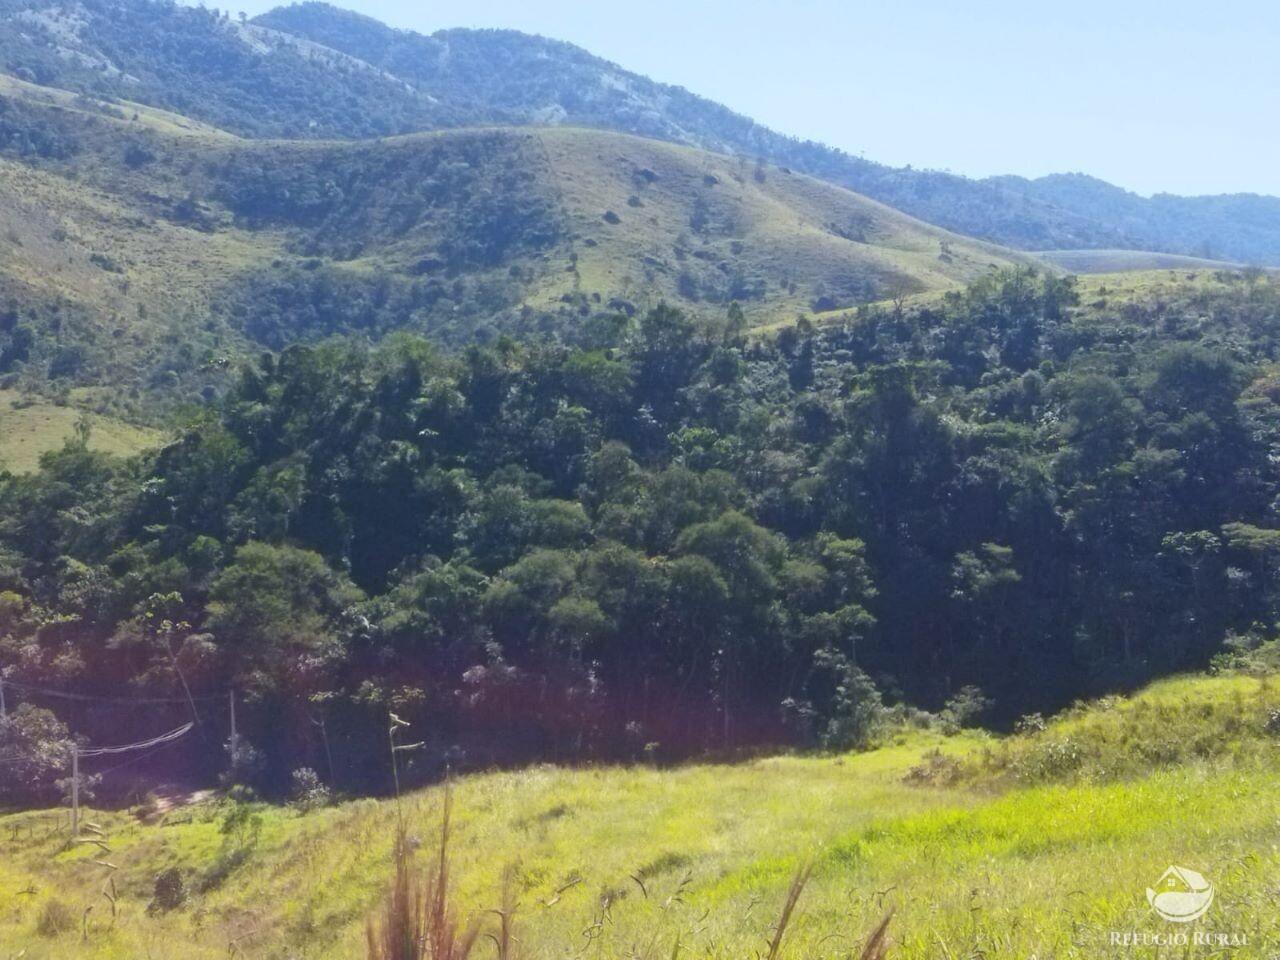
(234, 743)
(3, 712)
(75, 792)
(324, 736)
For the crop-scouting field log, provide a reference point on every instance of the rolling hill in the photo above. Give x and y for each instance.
(1127, 261)
(312, 71)
(142, 249)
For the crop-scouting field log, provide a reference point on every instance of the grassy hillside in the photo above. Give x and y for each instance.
(697, 227)
(1118, 261)
(141, 249)
(30, 427)
(625, 862)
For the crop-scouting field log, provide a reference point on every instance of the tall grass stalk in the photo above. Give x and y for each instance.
(877, 946)
(798, 883)
(419, 920)
(504, 939)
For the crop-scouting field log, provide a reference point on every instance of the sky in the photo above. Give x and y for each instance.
(1167, 96)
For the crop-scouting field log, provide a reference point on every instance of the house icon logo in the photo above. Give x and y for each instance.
(1181, 895)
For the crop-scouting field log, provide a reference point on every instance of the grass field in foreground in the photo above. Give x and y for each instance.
(625, 862)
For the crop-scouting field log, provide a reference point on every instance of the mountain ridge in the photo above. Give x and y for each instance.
(927, 194)
(313, 71)
(142, 250)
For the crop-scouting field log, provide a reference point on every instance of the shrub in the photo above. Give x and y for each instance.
(246, 763)
(1273, 722)
(1029, 724)
(1050, 760)
(308, 792)
(964, 709)
(858, 713)
(936, 770)
(240, 826)
(170, 891)
(55, 918)
(241, 823)
(105, 262)
(67, 361)
(1247, 654)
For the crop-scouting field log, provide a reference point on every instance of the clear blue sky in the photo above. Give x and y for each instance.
(1154, 96)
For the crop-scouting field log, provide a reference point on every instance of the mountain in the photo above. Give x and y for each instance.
(312, 71)
(1237, 227)
(235, 75)
(142, 249)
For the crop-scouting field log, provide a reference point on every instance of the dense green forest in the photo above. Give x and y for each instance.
(657, 536)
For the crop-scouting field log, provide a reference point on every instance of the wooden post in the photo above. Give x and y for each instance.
(75, 792)
(3, 712)
(328, 752)
(234, 743)
(395, 770)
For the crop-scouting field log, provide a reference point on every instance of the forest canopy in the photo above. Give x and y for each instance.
(661, 536)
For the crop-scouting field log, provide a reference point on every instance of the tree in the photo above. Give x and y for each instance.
(36, 749)
(1099, 423)
(277, 611)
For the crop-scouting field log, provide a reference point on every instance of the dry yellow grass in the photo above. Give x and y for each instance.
(798, 235)
(30, 427)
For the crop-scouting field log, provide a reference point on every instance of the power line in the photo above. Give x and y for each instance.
(140, 745)
(92, 698)
(77, 754)
(157, 743)
(132, 760)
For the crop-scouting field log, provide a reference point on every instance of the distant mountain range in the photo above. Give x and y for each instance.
(312, 71)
